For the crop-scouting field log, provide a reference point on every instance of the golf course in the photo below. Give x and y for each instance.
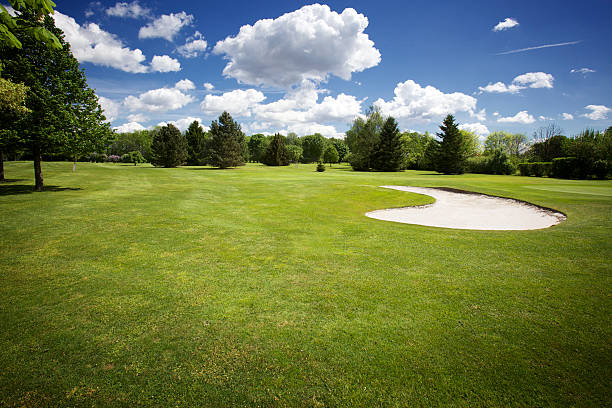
(124, 285)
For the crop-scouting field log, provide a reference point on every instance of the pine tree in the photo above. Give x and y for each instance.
(196, 144)
(276, 154)
(388, 153)
(169, 147)
(452, 152)
(226, 143)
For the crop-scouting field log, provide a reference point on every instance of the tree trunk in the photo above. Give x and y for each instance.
(38, 178)
(2, 166)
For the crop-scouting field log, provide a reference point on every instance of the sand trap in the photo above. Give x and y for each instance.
(466, 210)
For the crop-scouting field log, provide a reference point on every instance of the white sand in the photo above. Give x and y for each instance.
(469, 211)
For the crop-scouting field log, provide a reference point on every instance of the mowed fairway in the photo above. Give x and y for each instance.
(256, 286)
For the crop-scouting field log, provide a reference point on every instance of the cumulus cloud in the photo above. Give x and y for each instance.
(183, 124)
(522, 117)
(506, 24)
(137, 117)
(165, 63)
(110, 108)
(567, 116)
(159, 100)
(194, 46)
(208, 86)
(541, 117)
(166, 26)
(412, 101)
(477, 128)
(128, 10)
(311, 43)
(598, 112)
(526, 80)
(129, 127)
(89, 43)
(237, 102)
(185, 85)
(582, 71)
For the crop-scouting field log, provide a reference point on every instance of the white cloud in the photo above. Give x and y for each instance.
(237, 102)
(522, 117)
(541, 117)
(129, 127)
(137, 117)
(110, 108)
(311, 43)
(89, 43)
(567, 116)
(495, 113)
(165, 63)
(208, 86)
(194, 46)
(166, 26)
(506, 24)
(183, 124)
(535, 80)
(185, 85)
(412, 101)
(526, 80)
(598, 112)
(128, 10)
(478, 128)
(160, 100)
(583, 71)
(481, 115)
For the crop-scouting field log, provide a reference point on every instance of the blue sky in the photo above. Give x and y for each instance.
(307, 67)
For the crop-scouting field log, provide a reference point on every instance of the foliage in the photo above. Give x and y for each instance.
(341, 148)
(98, 157)
(27, 21)
(363, 137)
(197, 144)
(294, 153)
(320, 167)
(497, 162)
(258, 144)
(313, 147)
(537, 169)
(453, 148)
(133, 157)
(276, 154)
(169, 148)
(387, 155)
(471, 143)
(330, 155)
(414, 146)
(548, 149)
(140, 140)
(226, 143)
(509, 143)
(113, 158)
(65, 114)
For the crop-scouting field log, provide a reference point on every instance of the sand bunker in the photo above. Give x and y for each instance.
(466, 210)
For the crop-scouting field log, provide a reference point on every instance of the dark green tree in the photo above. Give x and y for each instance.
(388, 154)
(363, 137)
(258, 144)
(330, 155)
(313, 147)
(276, 154)
(341, 148)
(197, 143)
(226, 143)
(133, 157)
(27, 18)
(65, 116)
(452, 152)
(169, 147)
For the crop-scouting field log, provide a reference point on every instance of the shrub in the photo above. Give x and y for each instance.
(133, 157)
(524, 169)
(320, 167)
(113, 158)
(497, 163)
(97, 157)
(564, 167)
(601, 169)
(538, 169)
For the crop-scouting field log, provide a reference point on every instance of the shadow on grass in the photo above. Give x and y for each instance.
(16, 189)
(11, 181)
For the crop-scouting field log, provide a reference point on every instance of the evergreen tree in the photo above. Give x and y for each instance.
(330, 155)
(452, 151)
(388, 154)
(65, 116)
(169, 147)
(196, 144)
(226, 143)
(276, 153)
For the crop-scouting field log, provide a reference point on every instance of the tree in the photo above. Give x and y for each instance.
(140, 140)
(65, 113)
(330, 155)
(294, 153)
(197, 142)
(363, 137)
(508, 143)
(452, 152)
(276, 154)
(12, 27)
(313, 147)
(388, 154)
(133, 157)
(12, 100)
(226, 143)
(341, 148)
(169, 147)
(258, 144)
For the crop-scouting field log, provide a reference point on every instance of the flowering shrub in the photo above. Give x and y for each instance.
(113, 158)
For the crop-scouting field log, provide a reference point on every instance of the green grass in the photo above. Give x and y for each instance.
(127, 286)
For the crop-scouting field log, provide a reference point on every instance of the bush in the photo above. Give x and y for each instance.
(113, 158)
(538, 169)
(524, 169)
(320, 167)
(601, 168)
(97, 158)
(564, 167)
(497, 163)
(133, 157)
